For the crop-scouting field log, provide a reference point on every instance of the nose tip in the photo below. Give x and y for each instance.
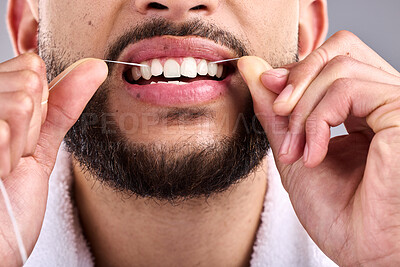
(176, 9)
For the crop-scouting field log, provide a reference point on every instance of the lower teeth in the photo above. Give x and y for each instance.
(170, 82)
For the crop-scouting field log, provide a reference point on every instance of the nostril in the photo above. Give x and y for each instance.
(199, 7)
(155, 5)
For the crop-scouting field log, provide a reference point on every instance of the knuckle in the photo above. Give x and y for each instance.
(297, 119)
(31, 81)
(342, 85)
(34, 62)
(311, 121)
(342, 60)
(322, 55)
(346, 35)
(23, 104)
(313, 63)
(341, 65)
(312, 126)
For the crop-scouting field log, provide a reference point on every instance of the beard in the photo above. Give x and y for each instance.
(183, 170)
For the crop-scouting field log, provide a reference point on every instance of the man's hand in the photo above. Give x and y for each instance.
(345, 190)
(30, 136)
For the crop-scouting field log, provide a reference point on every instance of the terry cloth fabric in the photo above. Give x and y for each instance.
(281, 240)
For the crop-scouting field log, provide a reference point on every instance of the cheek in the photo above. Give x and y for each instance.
(77, 27)
(272, 30)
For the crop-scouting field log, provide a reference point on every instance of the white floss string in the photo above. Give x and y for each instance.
(125, 63)
(21, 247)
(225, 60)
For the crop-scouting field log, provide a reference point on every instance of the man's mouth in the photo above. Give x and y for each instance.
(180, 71)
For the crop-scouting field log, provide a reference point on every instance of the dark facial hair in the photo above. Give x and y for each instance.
(164, 172)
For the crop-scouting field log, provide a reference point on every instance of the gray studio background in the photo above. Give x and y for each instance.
(376, 22)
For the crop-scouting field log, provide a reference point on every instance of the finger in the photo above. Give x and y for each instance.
(18, 80)
(31, 83)
(251, 69)
(28, 61)
(342, 43)
(339, 67)
(275, 80)
(66, 103)
(17, 111)
(377, 102)
(5, 162)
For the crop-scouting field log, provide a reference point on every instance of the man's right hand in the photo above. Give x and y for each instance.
(30, 136)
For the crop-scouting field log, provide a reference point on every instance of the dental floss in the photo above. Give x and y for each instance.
(21, 247)
(10, 212)
(51, 88)
(126, 63)
(225, 60)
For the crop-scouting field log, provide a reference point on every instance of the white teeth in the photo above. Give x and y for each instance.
(212, 69)
(177, 82)
(172, 69)
(220, 70)
(189, 67)
(156, 67)
(136, 73)
(146, 71)
(173, 82)
(170, 82)
(202, 68)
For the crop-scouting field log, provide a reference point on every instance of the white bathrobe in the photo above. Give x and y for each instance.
(281, 240)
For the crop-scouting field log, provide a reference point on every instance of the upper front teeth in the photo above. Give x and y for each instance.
(212, 69)
(146, 72)
(171, 69)
(202, 68)
(136, 73)
(189, 68)
(156, 68)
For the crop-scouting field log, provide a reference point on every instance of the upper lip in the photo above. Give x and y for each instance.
(175, 47)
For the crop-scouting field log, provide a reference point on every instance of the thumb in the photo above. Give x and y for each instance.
(251, 69)
(66, 103)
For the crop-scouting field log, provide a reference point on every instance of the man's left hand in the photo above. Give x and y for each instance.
(345, 190)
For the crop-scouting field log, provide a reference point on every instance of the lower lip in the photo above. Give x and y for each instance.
(197, 92)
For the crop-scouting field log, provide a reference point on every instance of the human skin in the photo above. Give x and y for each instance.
(319, 194)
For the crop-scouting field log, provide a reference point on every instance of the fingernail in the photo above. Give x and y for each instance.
(306, 153)
(285, 95)
(286, 144)
(277, 73)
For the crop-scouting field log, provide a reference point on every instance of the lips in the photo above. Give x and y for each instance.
(180, 71)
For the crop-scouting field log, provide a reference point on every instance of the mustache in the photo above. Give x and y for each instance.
(157, 27)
